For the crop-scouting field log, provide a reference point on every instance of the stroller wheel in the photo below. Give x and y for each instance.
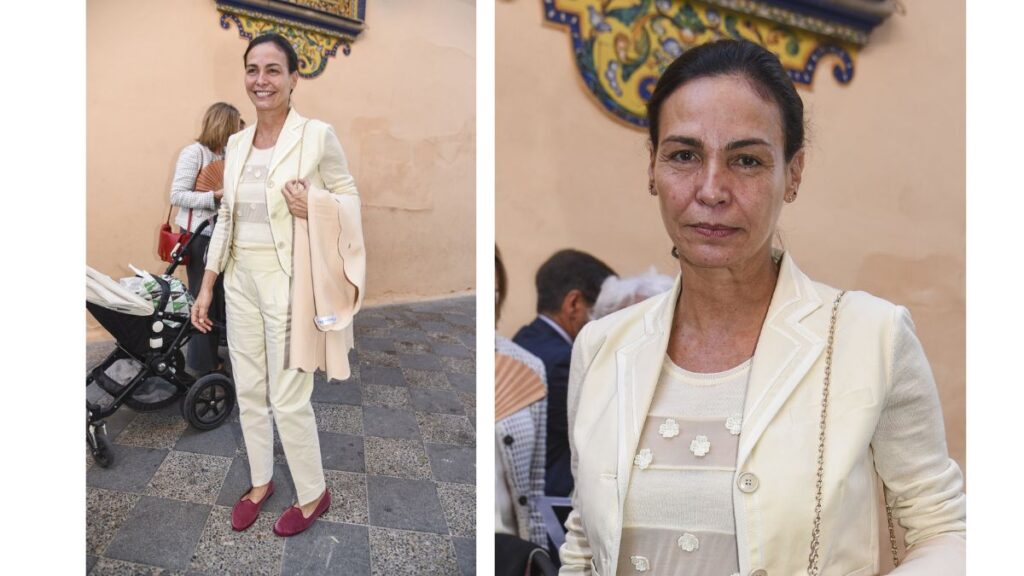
(209, 401)
(102, 453)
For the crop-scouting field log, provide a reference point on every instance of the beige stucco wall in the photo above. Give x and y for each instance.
(881, 207)
(403, 104)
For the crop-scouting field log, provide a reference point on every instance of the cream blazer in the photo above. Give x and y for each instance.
(323, 163)
(884, 419)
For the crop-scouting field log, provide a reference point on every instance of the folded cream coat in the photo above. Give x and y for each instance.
(328, 278)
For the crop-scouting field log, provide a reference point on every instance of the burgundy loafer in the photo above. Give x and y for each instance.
(292, 521)
(245, 511)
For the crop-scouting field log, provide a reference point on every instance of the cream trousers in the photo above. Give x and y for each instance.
(256, 293)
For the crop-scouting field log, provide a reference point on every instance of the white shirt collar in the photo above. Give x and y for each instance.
(557, 328)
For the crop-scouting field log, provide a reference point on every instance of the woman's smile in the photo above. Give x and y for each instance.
(713, 230)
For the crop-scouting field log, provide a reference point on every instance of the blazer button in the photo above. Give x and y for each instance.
(748, 483)
(759, 572)
(508, 440)
(280, 245)
(522, 500)
(270, 183)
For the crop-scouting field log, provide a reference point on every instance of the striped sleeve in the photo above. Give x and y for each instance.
(183, 195)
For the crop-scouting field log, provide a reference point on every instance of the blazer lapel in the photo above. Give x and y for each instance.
(638, 365)
(786, 351)
(290, 135)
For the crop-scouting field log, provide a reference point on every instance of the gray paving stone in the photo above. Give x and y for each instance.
(190, 477)
(469, 405)
(465, 550)
(405, 504)
(338, 392)
(396, 457)
(111, 567)
(443, 337)
(452, 350)
(131, 471)
(385, 396)
(152, 430)
(376, 358)
(389, 423)
(436, 401)
(459, 365)
(255, 551)
(408, 332)
(446, 429)
(375, 344)
(105, 511)
(238, 482)
(223, 440)
(436, 326)
(419, 361)
(452, 463)
(90, 561)
(160, 532)
(468, 339)
(384, 375)
(367, 319)
(459, 504)
(426, 379)
(464, 321)
(339, 418)
(328, 548)
(342, 451)
(408, 347)
(400, 553)
(463, 382)
(348, 497)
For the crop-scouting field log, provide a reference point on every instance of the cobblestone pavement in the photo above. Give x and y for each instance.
(398, 444)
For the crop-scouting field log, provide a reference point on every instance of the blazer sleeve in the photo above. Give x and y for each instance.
(923, 486)
(220, 240)
(576, 554)
(334, 166)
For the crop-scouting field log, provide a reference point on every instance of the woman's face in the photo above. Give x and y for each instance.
(267, 80)
(719, 171)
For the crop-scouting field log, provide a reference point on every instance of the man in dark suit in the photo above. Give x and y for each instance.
(567, 287)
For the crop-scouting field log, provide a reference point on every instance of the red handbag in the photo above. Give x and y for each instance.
(170, 241)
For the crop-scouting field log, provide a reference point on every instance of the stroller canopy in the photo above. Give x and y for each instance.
(103, 291)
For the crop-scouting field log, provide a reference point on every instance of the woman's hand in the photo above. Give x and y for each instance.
(201, 310)
(295, 194)
(218, 194)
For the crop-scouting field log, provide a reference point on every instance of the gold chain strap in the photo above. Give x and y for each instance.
(813, 568)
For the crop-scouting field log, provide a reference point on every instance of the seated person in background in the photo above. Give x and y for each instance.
(618, 293)
(567, 287)
(519, 431)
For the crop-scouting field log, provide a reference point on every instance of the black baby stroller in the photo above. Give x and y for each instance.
(146, 369)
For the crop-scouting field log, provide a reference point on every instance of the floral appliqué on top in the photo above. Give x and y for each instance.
(640, 563)
(734, 423)
(688, 542)
(700, 446)
(643, 458)
(669, 429)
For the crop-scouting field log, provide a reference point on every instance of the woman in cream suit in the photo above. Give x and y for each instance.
(737, 424)
(265, 193)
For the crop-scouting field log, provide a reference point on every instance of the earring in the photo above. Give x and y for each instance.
(791, 196)
(675, 253)
(650, 188)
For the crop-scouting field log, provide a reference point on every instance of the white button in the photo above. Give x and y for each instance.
(747, 483)
(759, 572)
(270, 183)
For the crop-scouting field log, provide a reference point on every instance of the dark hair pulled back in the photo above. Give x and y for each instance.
(723, 57)
(281, 43)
